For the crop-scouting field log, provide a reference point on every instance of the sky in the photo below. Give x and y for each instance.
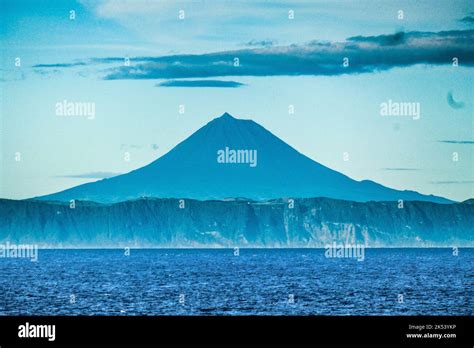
(333, 64)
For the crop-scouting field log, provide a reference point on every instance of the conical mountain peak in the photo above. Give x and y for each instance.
(225, 118)
(230, 157)
(226, 115)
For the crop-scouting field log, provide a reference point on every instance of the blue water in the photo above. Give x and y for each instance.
(258, 282)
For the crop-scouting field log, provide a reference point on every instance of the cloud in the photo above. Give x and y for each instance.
(400, 169)
(383, 40)
(364, 54)
(91, 175)
(456, 141)
(117, 9)
(261, 43)
(59, 65)
(468, 19)
(47, 72)
(453, 103)
(200, 83)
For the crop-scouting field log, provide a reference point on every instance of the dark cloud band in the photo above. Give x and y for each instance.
(201, 83)
(364, 54)
(58, 65)
(456, 141)
(358, 54)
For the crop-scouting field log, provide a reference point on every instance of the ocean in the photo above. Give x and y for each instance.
(256, 282)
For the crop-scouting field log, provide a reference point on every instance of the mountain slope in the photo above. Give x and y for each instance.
(192, 170)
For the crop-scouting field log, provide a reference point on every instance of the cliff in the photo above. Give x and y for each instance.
(274, 223)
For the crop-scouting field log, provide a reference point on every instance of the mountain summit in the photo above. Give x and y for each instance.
(232, 158)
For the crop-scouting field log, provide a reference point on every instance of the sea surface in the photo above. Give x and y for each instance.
(256, 282)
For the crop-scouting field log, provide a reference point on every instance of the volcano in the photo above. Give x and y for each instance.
(234, 158)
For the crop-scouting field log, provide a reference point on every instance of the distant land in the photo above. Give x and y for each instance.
(280, 223)
(229, 158)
